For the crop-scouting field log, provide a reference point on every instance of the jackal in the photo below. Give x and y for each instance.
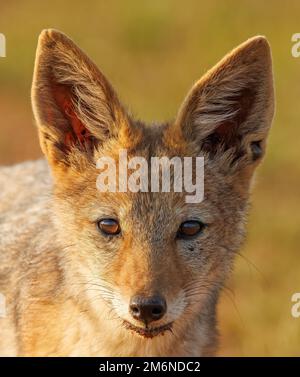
(93, 273)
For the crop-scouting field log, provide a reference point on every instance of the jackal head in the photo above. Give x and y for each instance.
(154, 261)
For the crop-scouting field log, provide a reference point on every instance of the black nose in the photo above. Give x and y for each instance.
(147, 309)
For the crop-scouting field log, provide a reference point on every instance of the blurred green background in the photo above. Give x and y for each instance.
(152, 51)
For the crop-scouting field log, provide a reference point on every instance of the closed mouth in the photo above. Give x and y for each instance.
(148, 332)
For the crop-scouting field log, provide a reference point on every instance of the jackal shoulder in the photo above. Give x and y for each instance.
(24, 197)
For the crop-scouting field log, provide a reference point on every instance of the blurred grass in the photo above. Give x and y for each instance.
(152, 52)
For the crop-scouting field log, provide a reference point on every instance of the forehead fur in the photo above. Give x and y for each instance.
(157, 140)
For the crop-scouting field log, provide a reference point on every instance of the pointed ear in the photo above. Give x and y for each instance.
(229, 111)
(75, 107)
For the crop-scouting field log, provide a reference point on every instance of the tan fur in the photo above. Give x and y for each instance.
(67, 286)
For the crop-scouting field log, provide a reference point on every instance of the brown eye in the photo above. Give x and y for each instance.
(109, 226)
(190, 228)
